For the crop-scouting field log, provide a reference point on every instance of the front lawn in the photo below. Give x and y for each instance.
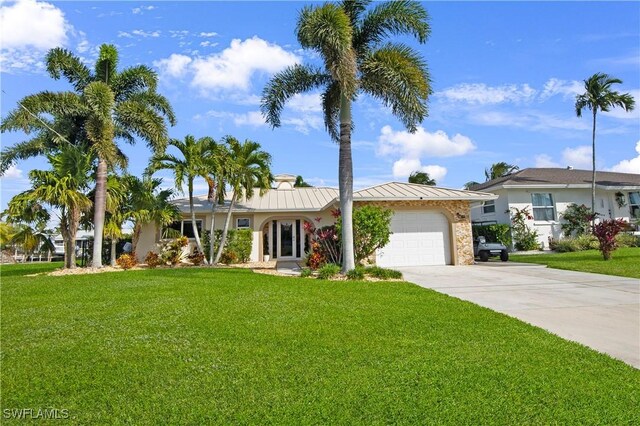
(200, 346)
(625, 262)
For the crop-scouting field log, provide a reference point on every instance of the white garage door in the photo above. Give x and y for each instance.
(419, 238)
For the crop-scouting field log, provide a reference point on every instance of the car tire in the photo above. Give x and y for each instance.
(484, 256)
(504, 255)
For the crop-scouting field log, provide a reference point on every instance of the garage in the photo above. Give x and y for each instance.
(419, 238)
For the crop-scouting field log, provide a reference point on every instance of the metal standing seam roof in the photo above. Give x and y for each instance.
(319, 198)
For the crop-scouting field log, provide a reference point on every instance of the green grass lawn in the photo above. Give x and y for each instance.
(195, 346)
(625, 262)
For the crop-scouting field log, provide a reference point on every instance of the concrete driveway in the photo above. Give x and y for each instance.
(600, 311)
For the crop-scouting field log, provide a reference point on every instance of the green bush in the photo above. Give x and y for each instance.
(494, 233)
(329, 270)
(356, 274)
(587, 242)
(628, 240)
(577, 220)
(382, 273)
(566, 245)
(306, 272)
(371, 230)
(172, 251)
(239, 241)
(229, 257)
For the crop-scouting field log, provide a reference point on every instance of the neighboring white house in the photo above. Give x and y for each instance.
(548, 191)
(431, 225)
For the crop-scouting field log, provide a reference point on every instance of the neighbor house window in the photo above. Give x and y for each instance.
(489, 207)
(242, 223)
(634, 204)
(543, 206)
(184, 227)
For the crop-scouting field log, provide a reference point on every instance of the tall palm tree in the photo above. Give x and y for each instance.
(351, 41)
(63, 187)
(498, 170)
(147, 203)
(106, 104)
(218, 163)
(599, 96)
(422, 178)
(185, 169)
(249, 169)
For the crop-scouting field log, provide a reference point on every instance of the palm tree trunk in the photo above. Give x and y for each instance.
(196, 235)
(99, 209)
(212, 230)
(593, 159)
(70, 243)
(113, 251)
(345, 181)
(137, 230)
(225, 230)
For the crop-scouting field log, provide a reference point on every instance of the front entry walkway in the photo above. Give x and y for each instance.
(600, 311)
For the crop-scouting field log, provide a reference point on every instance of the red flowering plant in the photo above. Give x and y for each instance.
(324, 244)
(606, 232)
(524, 237)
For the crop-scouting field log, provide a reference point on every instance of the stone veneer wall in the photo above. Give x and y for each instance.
(458, 212)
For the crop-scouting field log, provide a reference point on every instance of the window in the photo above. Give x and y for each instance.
(489, 207)
(184, 227)
(543, 207)
(634, 204)
(242, 222)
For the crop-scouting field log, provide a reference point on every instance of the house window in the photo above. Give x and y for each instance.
(184, 227)
(543, 207)
(489, 207)
(634, 204)
(242, 223)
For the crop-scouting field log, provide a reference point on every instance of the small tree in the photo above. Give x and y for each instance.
(577, 219)
(606, 232)
(421, 178)
(371, 230)
(523, 236)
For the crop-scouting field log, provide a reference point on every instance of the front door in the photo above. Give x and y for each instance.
(286, 237)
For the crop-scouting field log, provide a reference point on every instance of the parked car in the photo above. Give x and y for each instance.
(484, 250)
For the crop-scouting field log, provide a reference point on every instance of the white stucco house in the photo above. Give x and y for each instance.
(548, 191)
(430, 225)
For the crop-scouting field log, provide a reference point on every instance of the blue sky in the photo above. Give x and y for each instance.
(504, 76)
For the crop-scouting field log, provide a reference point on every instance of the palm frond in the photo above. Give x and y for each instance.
(137, 79)
(331, 110)
(107, 63)
(62, 62)
(284, 85)
(143, 122)
(397, 76)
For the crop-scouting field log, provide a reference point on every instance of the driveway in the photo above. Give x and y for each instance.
(599, 311)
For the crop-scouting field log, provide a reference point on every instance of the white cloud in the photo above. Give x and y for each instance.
(30, 23)
(544, 160)
(415, 145)
(140, 10)
(139, 33)
(174, 66)
(306, 102)
(208, 43)
(578, 157)
(480, 93)
(12, 173)
(405, 166)
(251, 118)
(629, 166)
(211, 34)
(304, 123)
(568, 89)
(234, 67)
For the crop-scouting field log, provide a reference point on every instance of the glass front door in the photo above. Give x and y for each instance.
(286, 237)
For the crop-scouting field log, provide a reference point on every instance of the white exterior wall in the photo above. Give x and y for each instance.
(606, 206)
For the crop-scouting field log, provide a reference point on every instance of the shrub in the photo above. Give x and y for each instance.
(172, 252)
(496, 232)
(152, 259)
(587, 242)
(628, 240)
(606, 232)
(196, 258)
(239, 241)
(356, 274)
(126, 261)
(577, 220)
(371, 230)
(525, 238)
(382, 273)
(228, 257)
(566, 245)
(315, 258)
(306, 272)
(329, 270)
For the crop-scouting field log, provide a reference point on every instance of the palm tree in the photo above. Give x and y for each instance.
(599, 96)
(422, 178)
(32, 239)
(470, 184)
(249, 169)
(217, 160)
(498, 170)
(106, 104)
(63, 188)
(351, 42)
(147, 203)
(185, 169)
(300, 183)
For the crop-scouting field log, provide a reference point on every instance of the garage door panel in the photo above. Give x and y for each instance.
(419, 238)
